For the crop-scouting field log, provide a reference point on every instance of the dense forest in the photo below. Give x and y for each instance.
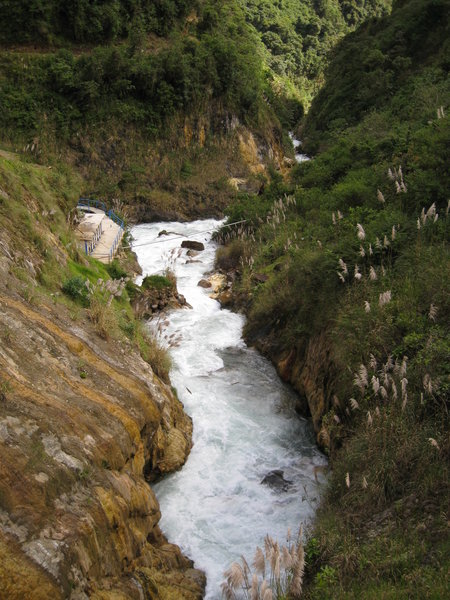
(213, 60)
(87, 21)
(350, 260)
(297, 37)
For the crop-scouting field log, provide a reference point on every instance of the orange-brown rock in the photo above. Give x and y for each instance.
(309, 370)
(78, 518)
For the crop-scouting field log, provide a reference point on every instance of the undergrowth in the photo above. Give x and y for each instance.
(353, 252)
(48, 266)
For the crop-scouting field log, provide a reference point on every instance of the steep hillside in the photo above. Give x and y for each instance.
(169, 105)
(344, 275)
(298, 37)
(162, 117)
(85, 423)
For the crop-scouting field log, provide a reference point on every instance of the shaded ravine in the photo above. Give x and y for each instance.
(299, 156)
(216, 507)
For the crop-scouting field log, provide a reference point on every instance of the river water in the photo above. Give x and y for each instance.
(299, 156)
(216, 508)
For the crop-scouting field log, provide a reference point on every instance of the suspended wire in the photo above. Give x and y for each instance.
(167, 239)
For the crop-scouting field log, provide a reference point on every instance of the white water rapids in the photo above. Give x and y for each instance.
(299, 156)
(215, 508)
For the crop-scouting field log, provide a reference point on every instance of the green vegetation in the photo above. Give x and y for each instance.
(75, 287)
(150, 105)
(48, 266)
(144, 98)
(355, 248)
(157, 282)
(92, 21)
(62, 91)
(297, 38)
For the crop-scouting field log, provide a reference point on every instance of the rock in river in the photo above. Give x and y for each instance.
(204, 283)
(192, 245)
(275, 479)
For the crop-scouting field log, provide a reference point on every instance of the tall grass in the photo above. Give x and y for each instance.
(276, 572)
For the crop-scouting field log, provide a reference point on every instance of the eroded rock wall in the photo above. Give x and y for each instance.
(309, 369)
(81, 422)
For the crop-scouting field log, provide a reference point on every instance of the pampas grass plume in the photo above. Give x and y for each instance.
(254, 595)
(235, 575)
(403, 366)
(434, 443)
(259, 562)
(432, 314)
(343, 266)
(264, 588)
(354, 404)
(375, 384)
(360, 232)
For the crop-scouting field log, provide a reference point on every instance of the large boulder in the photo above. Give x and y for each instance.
(192, 245)
(275, 479)
(204, 283)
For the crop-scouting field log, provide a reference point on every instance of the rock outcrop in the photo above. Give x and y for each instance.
(84, 425)
(152, 301)
(310, 371)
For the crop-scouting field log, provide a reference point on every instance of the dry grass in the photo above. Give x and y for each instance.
(154, 353)
(277, 572)
(103, 317)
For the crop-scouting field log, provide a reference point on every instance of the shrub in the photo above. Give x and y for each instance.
(75, 287)
(157, 282)
(115, 270)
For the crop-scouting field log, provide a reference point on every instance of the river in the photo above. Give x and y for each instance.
(299, 156)
(216, 508)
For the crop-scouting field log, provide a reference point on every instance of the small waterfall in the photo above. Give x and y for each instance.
(299, 157)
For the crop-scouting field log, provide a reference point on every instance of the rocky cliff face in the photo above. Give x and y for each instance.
(310, 370)
(77, 511)
(85, 425)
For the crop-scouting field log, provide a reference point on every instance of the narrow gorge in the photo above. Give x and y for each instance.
(149, 435)
(253, 469)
